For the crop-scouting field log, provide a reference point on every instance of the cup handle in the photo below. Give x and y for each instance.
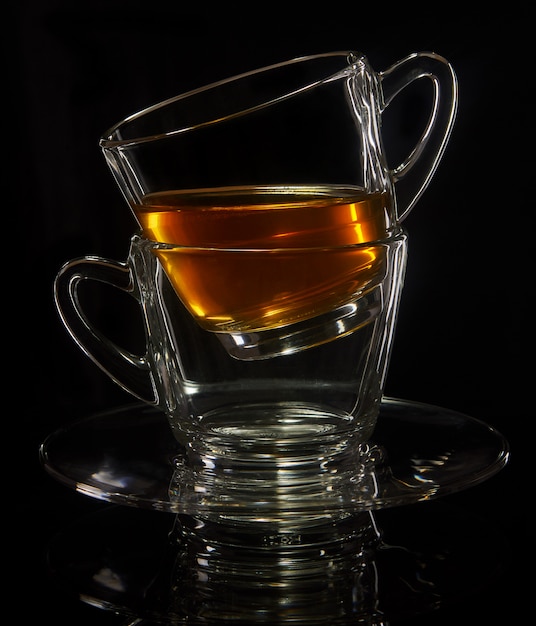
(433, 140)
(130, 371)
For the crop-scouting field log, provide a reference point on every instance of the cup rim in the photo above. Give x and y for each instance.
(354, 60)
(398, 234)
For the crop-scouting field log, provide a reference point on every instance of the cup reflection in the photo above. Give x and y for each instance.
(370, 569)
(290, 576)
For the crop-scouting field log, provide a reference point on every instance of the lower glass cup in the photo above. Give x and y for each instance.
(272, 395)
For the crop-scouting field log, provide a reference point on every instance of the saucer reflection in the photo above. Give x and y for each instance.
(370, 569)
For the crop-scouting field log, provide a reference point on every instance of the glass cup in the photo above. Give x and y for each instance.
(295, 417)
(288, 156)
(268, 270)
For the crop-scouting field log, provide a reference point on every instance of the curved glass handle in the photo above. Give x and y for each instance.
(430, 148)
(128, 370)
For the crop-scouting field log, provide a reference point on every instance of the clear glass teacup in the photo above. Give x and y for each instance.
(269, 264)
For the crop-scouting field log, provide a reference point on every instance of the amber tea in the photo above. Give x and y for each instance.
(256, 258)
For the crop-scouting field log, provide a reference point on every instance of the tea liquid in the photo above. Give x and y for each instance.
(251, 258)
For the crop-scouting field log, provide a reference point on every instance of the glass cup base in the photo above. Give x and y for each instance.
(310, 333)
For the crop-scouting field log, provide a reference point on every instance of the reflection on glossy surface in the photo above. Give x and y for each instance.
(417, 452)
(226, 574)
(311, 544)
(161, 569)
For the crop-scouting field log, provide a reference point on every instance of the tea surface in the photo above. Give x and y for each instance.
(264, 217)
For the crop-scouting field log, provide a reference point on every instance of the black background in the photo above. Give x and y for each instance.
(464, 341)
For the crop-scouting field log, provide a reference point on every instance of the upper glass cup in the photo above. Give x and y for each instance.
(309, 126)
(282, 158)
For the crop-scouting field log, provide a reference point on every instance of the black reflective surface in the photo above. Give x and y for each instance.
(396, 566)
(459, 559)
(464, 331)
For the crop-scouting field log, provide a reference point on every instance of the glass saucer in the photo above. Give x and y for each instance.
(129, 456)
